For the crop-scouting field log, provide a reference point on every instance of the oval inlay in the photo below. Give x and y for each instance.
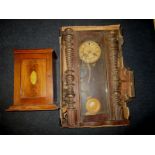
(33, 77)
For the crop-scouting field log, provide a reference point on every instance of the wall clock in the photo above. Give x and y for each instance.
(33, 80)
(95, 85)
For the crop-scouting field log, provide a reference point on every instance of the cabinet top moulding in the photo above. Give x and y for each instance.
(33, 51)
(90, 28)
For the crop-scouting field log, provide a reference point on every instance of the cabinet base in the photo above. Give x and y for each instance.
(32, 107)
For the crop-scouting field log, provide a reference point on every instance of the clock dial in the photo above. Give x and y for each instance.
(89, 51)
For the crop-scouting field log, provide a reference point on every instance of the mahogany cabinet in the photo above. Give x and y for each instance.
(95, 84)
(33, 80)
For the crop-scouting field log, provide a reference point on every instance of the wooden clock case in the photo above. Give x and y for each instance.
(33, 80)
(116, 81)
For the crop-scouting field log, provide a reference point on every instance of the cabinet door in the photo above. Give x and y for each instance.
(33, 80)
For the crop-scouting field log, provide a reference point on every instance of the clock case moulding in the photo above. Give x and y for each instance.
(119, 79)
(33, 80)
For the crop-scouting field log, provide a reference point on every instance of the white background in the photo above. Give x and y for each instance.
(77, 145)
(77, 9)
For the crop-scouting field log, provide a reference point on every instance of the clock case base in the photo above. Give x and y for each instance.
(100, 124)
(32, 107)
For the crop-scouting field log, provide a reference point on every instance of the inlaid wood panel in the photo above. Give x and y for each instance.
(33, 78)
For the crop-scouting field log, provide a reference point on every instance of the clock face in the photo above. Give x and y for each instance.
(89, 51)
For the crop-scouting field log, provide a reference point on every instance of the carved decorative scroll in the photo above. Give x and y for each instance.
(115, 81)
(69, 94)
(121, 87)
